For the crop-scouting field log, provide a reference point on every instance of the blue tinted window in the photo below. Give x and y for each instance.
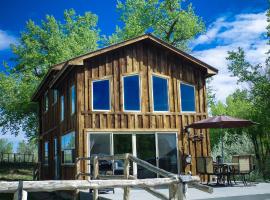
(132, 93)
(160, 94)
(73, 95)
(62, 108)
(46, 152)
(101, 95)
(187, 97)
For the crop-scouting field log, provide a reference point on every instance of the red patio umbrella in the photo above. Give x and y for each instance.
(221, 121)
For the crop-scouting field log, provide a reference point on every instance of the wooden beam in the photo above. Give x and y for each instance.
(56, 185)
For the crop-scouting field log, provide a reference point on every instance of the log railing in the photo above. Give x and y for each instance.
(177, 184)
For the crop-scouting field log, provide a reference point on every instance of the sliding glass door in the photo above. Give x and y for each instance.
(167, 151)
(157, 148)
(146, 150)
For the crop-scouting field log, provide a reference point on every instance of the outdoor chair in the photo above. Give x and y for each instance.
(205, 166)
(244, 166)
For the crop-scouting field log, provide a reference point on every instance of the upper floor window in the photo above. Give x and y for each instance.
(73, 96)
(160, 93)
(68, 148)
(55, 96)
(187, 97)
(46, 153)
(46, 101)
(62, 109)
(131, 93)
(101, 95)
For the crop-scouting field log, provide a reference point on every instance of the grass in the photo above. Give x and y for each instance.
(10, 173)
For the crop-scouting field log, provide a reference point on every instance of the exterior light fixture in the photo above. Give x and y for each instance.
(188, 159)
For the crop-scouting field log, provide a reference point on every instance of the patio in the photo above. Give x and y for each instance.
(238, 192)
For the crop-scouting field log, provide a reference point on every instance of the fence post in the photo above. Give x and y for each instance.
(95, 176)
(126, 175)
(20, 194)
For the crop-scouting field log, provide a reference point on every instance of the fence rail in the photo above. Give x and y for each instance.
(177, 184)
(17, 158)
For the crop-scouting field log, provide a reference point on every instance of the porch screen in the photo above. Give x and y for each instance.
(160, 94)
(101, 95)
(131, 93)
(187, 97)
(68, 148)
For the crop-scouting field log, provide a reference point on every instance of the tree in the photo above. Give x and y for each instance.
(5, 146)
(29, 147)
(258, 79)
(40, 46)
(167, 19)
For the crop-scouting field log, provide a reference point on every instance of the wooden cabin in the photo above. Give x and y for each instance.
(132, 97)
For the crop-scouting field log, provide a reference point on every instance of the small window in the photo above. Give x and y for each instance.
(101, 95)
(160, 93)
(187, 97)
(55, 96)
(62, 108)
(46, 102)
(46, 153)
(73, 96)
(68, 148)
(131, 93)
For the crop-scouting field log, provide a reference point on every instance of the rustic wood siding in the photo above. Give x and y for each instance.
(145, 59)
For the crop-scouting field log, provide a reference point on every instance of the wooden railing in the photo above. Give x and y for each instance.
(177, 184)
(17, 158)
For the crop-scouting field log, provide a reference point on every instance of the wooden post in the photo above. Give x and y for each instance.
(178, 191)
(126, 175)
(20, 194)
(78, 169)
(95, 176)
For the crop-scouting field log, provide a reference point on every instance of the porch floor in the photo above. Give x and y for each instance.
(260, 191)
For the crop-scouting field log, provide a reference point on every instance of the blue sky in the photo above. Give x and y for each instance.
(229, 24)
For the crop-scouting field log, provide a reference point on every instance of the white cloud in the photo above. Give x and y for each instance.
(6, 40)
(226, 34)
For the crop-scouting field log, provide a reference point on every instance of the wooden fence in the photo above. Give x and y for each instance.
(177, 184)
(17, 158)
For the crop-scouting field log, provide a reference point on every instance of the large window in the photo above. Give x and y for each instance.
(46, 153)
(62, 113)
(73, 96)
(131, 93)
(46, 102)
(187, 97)
(101, 95)
(160, 93)
(68, 148)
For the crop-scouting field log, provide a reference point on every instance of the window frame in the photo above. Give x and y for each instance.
(46, 158)
(62, 108)
(168, 95)
(180, 98)
(92, 94)
(63, 150)
(72, 112)
(140, 92)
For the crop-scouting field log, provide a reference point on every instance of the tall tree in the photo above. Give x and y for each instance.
(40, 46)
(5, 146)
(167, 19)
